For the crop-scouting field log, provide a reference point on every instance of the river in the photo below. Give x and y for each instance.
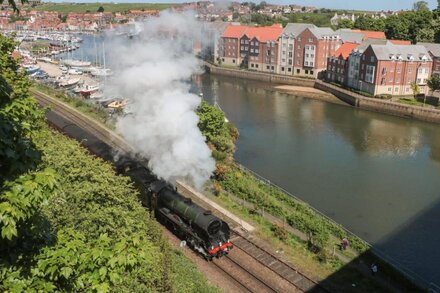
(377, 175)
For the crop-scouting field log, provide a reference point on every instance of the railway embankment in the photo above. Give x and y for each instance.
(329, 92)
(309, 255)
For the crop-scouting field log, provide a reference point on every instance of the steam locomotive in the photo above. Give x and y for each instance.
(197, 227)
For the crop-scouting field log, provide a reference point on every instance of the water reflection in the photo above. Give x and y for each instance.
(373, 173)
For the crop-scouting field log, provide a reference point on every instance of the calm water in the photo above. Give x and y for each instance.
(377, 175)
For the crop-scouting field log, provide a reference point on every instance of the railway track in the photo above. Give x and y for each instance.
(264, 273)
(284, 270)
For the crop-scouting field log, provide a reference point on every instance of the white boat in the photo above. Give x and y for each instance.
(69, 82)
(76, 63)
(97, 96)
(87, 90)
(74, 72)
(101, 72)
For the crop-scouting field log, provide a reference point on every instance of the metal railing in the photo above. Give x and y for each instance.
(408, 273)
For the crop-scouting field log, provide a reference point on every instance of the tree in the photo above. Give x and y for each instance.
(434, 83)
(415, 88)
(367, 22)
(100, 9)
(421, 6)
(345, 23)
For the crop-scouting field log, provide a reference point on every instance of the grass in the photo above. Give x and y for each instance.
(410, 101)
(108, 7)
(95, 111)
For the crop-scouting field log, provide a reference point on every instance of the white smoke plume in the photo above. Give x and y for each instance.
(153, 70)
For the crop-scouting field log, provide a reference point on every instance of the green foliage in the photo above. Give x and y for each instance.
(318, 19)
(434, 83)
(220, 134)
(108, 7)
(100, 9)
(345, 23)
(21, 198)
(421, 6)
(281, 205)
(367, 22)
(415, 89)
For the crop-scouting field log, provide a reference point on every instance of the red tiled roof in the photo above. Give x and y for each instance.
(265, 33)
(262, 33)
(371, 34)
(234, 31)
(345, 50)
(400, 42)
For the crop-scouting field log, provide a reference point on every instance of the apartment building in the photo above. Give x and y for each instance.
(286, 48)
(259, 48)
(434, 52)
(229, 45)
(313, 47)
(338, 64)
(392, 69)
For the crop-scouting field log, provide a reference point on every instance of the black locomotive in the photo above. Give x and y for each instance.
(197, 227)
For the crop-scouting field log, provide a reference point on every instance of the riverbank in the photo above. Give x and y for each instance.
(323, 266)
(330, 93)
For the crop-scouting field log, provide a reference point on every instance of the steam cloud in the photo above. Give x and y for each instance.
(153, 71)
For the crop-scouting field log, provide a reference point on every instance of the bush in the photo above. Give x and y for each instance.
(280, 232)
(384, 96)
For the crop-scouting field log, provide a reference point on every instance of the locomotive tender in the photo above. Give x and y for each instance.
(197, 227)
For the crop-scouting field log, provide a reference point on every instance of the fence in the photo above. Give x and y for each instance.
(408, 273)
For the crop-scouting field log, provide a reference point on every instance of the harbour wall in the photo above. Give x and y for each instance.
(348, 97)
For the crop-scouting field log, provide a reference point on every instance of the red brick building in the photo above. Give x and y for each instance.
(392, 69)
(434, 52)
(313, 47)
(337, 64)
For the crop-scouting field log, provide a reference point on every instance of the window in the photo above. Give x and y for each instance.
(363, 57)
(311, 64)
(307, 55)
(396, 89)
(273, 68)
(252, 43)
(382, 82)
(283, 60)
(252, 65)
(233, 60)
(372, 59)
(311, 72)
(289, 69)
(419, 80)
(306, 47)
(290, 47)
(420, 70)
(306, 63)
(256, 43)
(307, 72)
(299, 47)
(426, 70)
(268, 67)
(223, 59)
(298, 71)
(312, 55)
(282, 68)
(410, 70)
(311, 40)
(299, 39)
(242, 41)
(284, 45)
(369, 75)
(252, 50)
(242, 48)
(398, 70)
(389, 89)
(290, 54)
(246, 42)
(407, 89)
(256, 65)
(398, 80)
(257, 50)
(284, 52)
(290, 61)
